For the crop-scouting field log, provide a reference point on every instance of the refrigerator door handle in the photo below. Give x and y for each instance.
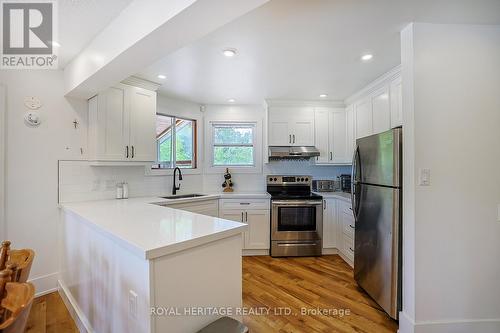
(353, 181)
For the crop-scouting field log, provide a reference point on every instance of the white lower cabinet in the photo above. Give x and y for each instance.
(338, 228)
(204, 207)
(330, 223)
(255, 213)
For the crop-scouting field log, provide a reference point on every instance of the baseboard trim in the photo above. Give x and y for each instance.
(329, 251)
(347, 260)
(407, 325)
(45, 284)
(76, 313)
(255, 253)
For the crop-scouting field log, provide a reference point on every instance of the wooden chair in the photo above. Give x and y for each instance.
(20, 261)
(16, 302)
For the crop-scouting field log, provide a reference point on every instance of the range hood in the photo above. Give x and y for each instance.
(286, 152)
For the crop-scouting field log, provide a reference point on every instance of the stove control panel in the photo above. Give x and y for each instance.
(288, 180)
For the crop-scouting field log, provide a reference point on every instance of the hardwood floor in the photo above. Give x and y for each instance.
(300, 284)
(49, 315)
(288, 284)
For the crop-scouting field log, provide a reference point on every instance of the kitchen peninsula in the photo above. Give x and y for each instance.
(126, 258)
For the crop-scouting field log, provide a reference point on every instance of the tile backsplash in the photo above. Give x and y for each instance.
(79, 181)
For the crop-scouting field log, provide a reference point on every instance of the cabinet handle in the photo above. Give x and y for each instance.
(293, 138)
(324, 204)
(246, 216)
(133, 151)
(244, 203)
(127, 151)
(290, 138)
(351, 226)
(241, 216)
(331, 156)
(350, 248)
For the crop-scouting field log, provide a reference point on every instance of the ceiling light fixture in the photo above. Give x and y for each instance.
(367, 57)
(323, 96)
(162, 77)
(231, 100)
(229, 53)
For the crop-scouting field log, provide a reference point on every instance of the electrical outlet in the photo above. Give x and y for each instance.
(424, 177)
(132, 303)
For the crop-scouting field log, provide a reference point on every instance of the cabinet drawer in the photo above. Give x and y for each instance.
(244, 204)
(348, 247)
(348, 224)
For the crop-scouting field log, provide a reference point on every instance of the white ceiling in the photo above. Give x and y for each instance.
(298, 49)
(80, 21)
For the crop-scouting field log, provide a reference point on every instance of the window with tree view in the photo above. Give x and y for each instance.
(233, 144)
(176, 142)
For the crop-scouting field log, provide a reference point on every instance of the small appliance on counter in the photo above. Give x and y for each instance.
(345, 183)
(323, 185)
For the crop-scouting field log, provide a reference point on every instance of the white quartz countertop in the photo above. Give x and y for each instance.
(336, 195)
(152, 231)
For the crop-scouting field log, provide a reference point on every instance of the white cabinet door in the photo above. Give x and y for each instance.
(363, 120)
(381, 111)
(321, 120)
(279, 132)
(237, 216)
(350, 136)
(303, 132)
(142, 124)
(330, 223)
(258, 235)
(338, 137)
(111, 121)
(396, 95)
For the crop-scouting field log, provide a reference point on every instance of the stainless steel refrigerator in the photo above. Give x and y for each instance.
(376, 200)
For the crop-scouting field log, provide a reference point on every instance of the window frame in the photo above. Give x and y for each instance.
(233, 125)
(173, 165)
(211, 168)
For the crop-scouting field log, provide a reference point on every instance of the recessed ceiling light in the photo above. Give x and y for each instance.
(367, 57)
(54, 43)
(229, 52)
(162, 77)
(323, 95)
(231, 100)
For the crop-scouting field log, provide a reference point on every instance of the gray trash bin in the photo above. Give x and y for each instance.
(225, 325)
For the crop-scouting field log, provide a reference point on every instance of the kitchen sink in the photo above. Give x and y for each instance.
(184, 196)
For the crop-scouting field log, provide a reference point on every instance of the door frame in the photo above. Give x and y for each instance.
(3, 162)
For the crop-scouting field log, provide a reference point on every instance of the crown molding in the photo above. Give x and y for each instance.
(310, 103)
(141, 83)
(374, 85)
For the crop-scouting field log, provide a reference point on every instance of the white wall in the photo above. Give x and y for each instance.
(455, 133)
(31, 164)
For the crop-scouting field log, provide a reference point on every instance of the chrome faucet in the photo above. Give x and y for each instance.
(175, 188)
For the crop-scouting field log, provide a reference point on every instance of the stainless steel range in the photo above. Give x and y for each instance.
(296, 217)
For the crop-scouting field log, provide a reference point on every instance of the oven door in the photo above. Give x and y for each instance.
(296, 220)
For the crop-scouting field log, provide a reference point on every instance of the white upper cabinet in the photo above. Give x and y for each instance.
(331, 135)
(291, 126)
(122, 125)
(396, 94)
(364, 118)
(142, 124)
(351, 131)
(322, 142)
(381, 110)
(380, 107)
